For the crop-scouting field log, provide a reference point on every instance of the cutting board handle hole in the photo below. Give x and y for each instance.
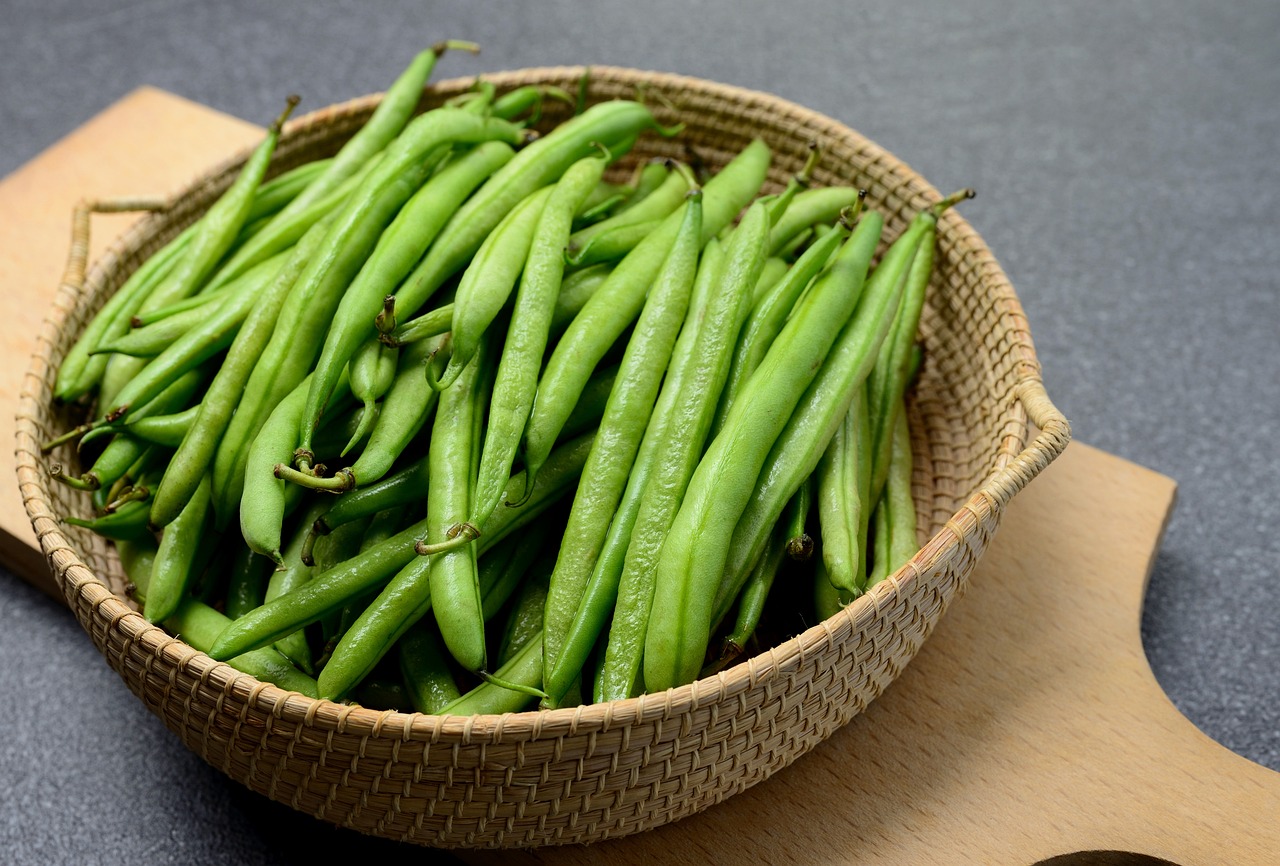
(1104, 858)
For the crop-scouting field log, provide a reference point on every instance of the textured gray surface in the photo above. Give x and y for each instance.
(1125, 158)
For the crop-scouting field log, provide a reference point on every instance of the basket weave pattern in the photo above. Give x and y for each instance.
(588, 773)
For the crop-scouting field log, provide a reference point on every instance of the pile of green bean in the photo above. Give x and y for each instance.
(587, 426)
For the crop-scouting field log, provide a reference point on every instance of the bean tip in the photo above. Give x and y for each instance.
(446, 45)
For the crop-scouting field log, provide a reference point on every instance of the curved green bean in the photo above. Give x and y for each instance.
(604, 478)
(817, 416)
(413, 231)
(619, 300)
(488, 281)
(693, 556)
(516, 380)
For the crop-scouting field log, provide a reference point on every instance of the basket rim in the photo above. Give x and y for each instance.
(80, 584)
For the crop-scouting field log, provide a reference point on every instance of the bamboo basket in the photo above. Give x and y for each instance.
(600, 771)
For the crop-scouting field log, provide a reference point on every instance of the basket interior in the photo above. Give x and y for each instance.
(966, 420)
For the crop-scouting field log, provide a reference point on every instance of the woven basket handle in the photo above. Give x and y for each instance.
(1055, 433)
(78, 256)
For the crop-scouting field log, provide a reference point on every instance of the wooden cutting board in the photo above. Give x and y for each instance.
(1028, 727)
(149, 143)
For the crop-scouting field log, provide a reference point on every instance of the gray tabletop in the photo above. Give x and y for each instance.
(1125, 156)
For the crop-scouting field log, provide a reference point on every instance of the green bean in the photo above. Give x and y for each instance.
(128, 523)
(376, 566)
(489, 698)
(881, 543)
(897, 543)
(774, 270)
(767, 318)
(648, 176)
(341, 546)
(145, 462)
(190, 350)
(122, 451)
(173, 565)
(398, 250)
(178, 394)
(696, 548)
(432, 323)
(274, 195)
(164, 430)
(247, 584)
(888, 379)
(618, 301)
(516, 381)
(576, 289)
(293, 572)
(220, 223)
(199, 625)
(118, 375)
(604, 478)
(525, 619)
(756, 592)
(425, 669)
(285, 230)
(914, 363)
(489, 280)
(373, 371)
(510, 572)
(407, 486)
(813, 424)
(678, 430)
(453, 578)
(514, 103)
(809, 208)
(207, 298)
(589, 409)
(595, 209)
(606, 589)
(611, 245)
(196, 452)
(844, 484)
(656, 205)
(80, 372)
(404, 411)
(365, 534)
(827, 600)
(388, 119)
(337, 431)
(537, 165)
(262, 505)
(799, 543)
(405, 601)
(312, 301)
(318, 597)
(231, 305)
(128, 494)
(410, 483)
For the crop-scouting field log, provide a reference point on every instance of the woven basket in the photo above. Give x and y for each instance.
(601, 771)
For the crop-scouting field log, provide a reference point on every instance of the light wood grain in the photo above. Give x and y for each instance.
(1029, 725)
(149, 143)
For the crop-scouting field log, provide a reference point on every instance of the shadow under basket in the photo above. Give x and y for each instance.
(604, 770)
